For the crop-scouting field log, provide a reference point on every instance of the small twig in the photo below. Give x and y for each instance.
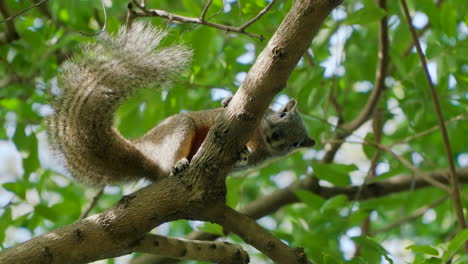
(377, 126)
(24, 11)
(258, 16)
(199, 20)
(130, 15)
(334, 102)
(92, 204)
(415, 215)
(44, 10)
(399, 158)
(141, 7)
(408, 164)
(218, 12)
(310, 60)
(420, 32)
(11, 34)
(372, 102)
(105, 22)
(205, 9)
(428, 131)
(455, 192)
(194, 20)
(378, 118)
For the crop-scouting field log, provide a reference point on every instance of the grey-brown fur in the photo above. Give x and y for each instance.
(97, 80)
(108, 71)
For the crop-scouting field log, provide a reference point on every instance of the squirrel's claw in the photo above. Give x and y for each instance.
(179, 166)
(243, 157)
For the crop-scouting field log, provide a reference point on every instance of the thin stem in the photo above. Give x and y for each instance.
(258, 16)
(24, 11)
(201, 20)
(205, 9)
(104, 26)
(428, 131)
(455, 192)
(92, 204)
(415, 215)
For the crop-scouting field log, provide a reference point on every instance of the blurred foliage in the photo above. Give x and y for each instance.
(343, 59)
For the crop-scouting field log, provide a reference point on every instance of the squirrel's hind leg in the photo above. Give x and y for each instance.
(169, 142)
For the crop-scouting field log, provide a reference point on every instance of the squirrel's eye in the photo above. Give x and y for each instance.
(275, 136)
(281, 115)
(297, 144)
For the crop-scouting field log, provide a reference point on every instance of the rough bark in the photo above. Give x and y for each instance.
(199, 192)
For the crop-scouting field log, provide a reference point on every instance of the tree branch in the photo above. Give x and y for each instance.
(198, 192)
(260, 238)
(92, 204)
(205, 9)
(11, 34)
(272, 202)
(415, 215)
(216, 252)
(7, 19)
(201, 20)
(455, 192)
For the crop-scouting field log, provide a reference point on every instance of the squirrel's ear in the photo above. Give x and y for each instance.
(308, 142)
(291, 106)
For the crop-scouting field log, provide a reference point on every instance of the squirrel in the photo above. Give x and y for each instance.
(110, 70)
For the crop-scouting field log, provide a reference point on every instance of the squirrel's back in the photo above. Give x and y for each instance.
(92, 86)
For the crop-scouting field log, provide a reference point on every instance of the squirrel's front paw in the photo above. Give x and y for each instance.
(179, 166)
(243, 158)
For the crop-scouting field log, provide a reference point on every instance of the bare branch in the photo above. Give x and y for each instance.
(24, 11)
(207, 251)
(201, 20)
(274, 201)
(455, 192)
(428, 131)
(377, 126)
(405, 162)
(420, 32)
(200, 191)
(104, 26)
(92, 204)
(261, 239)
(368, 110)
(11, 34)
(415, 215)
(205, 9)
(258, 16)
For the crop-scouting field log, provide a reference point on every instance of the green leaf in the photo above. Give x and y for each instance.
(336, 202)
(19, 188)
(46, 212)
(365, 15)
(449, 16)
(428, 250)
(368, 149)
(455, 245)
(329, 259)
(432, 260)
(337, 174)
(6, 219)
(310, 198)
(232, 197)
(367, 242)
(212, 229)
(10, 104)
(357, 260)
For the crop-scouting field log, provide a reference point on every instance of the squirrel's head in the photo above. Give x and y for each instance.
(285, 131)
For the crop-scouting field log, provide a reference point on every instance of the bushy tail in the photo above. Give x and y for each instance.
(97, 80)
